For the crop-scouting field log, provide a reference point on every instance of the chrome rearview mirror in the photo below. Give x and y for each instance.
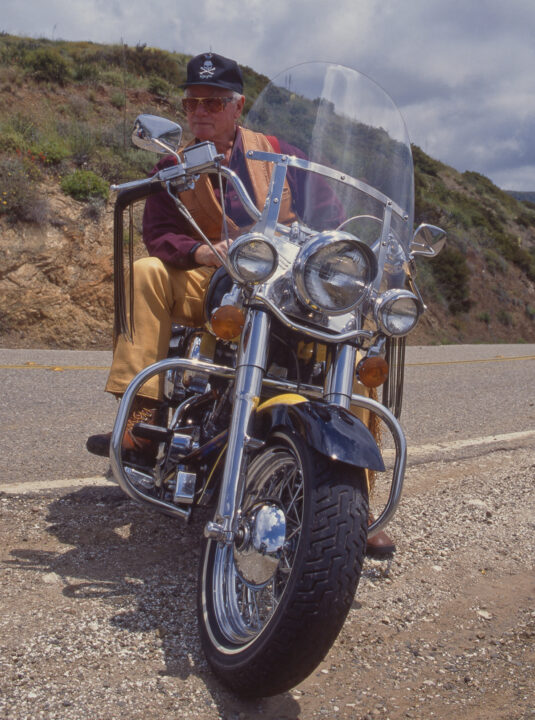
(156, 134)
(427, 240)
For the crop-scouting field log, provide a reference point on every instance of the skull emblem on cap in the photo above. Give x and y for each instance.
(207, 69)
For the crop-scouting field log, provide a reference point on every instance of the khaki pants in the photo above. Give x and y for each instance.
(162, 295)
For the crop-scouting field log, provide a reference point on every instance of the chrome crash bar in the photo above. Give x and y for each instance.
(284, 386)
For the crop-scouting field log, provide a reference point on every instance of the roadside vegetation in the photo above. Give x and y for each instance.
(88, 94)
(66, 112)
(490, 234)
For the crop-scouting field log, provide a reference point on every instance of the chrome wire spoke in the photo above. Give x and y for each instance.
(258, 623)
(243, 608)
(290, 474)
(296, 496)
(294, 532)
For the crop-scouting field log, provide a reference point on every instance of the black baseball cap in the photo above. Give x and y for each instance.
(215, 70)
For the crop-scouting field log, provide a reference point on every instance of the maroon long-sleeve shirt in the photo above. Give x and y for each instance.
(166, 233)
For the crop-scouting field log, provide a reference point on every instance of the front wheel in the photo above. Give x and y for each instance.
(272, 603)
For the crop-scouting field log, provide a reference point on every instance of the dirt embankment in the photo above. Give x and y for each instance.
(56, 288)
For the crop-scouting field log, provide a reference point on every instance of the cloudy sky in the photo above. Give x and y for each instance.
(461, 71)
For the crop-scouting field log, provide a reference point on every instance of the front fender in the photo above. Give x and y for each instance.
(329, 429)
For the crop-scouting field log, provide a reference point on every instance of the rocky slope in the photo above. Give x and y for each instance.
(56, 252)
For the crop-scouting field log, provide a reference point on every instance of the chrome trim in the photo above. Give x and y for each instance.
(116, 461)
(243, 195)
(340, 376)
(184, 487)
(201, 157)
(174, 172)
(156, 134)
(428, 240)
(270, 214)
(313, 391)
(250, 371)
(380, 247)
(259, 553)
(293, 161)
(246, 240)
(310, 331)
(387, 299)
(317, 243)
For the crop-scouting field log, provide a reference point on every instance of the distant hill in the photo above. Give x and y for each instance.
(523, 196)
(66, 110)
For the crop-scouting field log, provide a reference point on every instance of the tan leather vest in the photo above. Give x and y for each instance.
(204, 206)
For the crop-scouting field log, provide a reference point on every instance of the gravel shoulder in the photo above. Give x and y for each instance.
(98, 609)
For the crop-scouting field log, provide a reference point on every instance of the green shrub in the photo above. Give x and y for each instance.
(452, 275)
(86, 72)
(84, 184)
(504, 317)
(79, 107)
(118, 165)
(159, 86)
(512, 251)
(47, 64)
(495, 262)
(50, 151)
(12, 141)
(118, 99)
(20, 197)
(82, 142)
(425, 164)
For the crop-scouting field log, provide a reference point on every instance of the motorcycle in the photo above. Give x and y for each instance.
(306, 318)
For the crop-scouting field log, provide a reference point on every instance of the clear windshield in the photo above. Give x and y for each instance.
(335, 116)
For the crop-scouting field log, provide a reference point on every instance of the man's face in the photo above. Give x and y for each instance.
(217, 127)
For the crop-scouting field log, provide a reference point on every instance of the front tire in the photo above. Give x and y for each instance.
(264, 632)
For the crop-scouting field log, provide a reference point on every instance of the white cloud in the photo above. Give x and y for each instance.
(461, 72)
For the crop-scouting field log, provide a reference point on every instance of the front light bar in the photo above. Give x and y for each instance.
(397, 312)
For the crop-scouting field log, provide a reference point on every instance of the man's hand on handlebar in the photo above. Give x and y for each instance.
(205, 256)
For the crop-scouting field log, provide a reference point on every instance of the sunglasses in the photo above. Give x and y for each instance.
(211, 104)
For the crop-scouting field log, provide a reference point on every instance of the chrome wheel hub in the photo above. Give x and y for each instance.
(263, 538)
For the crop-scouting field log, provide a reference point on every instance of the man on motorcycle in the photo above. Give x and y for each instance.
(170, 284)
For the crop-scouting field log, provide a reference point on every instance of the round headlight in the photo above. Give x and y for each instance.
(398, 311)
(253, 258)
(334, 271)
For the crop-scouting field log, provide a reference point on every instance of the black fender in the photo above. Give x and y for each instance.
(329, 429)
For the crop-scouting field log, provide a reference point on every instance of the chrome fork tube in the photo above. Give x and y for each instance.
(249, 375)
(338, 387)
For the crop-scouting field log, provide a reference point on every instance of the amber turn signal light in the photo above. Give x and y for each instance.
(372, 371)
(227, 322)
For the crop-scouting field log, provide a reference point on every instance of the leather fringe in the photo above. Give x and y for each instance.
(123, 323)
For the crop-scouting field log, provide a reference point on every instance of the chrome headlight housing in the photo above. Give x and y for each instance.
(397, 312)
(333, 272)
(253, 258)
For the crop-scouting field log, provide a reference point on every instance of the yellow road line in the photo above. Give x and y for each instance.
(501, 358)
(56, 368)
(60, 368)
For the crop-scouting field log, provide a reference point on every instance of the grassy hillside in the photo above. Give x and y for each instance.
(483, 283)
(66, 112)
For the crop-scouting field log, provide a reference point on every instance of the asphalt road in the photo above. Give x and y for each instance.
(98, 594)
(455, 396)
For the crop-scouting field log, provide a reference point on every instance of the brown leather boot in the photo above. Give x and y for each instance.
(380, 545)
(142, 450)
